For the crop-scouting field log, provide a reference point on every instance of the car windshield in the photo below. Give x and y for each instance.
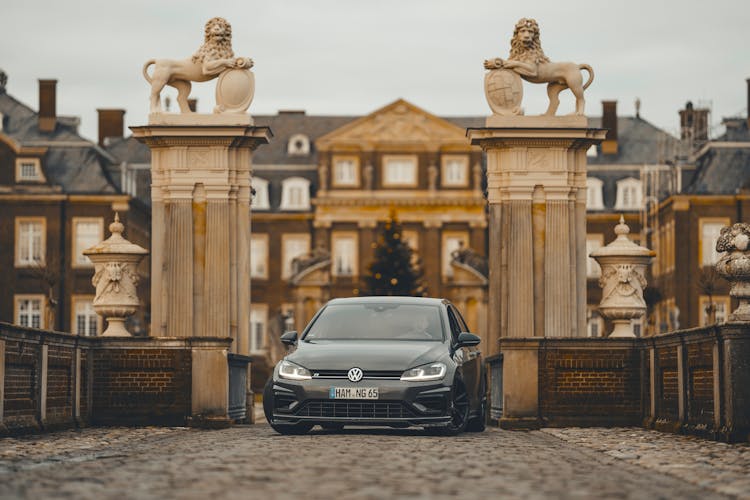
(372, 321)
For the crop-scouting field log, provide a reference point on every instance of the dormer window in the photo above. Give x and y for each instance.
(299, 145)
(628, 194)
(295, 194)
(594, 200)
(29, 170)
(260, 199)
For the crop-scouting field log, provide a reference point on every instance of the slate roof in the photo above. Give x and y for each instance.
(723, 168)
(72, 162)
(638, 143)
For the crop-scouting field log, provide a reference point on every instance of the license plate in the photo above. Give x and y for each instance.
(353, 393)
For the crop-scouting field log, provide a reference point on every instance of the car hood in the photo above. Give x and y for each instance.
(366, 354)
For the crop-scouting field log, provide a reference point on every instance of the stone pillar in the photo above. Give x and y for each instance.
(200, 190)
(536, 188)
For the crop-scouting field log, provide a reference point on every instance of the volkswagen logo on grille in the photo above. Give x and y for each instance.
(355, 374)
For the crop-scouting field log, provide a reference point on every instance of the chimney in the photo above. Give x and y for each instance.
(694, 123)
(193, 104)
(47, 105)
(111, 123)
(609, 121)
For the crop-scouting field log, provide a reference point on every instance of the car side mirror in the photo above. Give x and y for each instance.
(289, 338)
(466, 339)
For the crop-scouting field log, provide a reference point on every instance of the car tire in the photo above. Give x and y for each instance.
(459, 410)
(479, 423)
(286, 429)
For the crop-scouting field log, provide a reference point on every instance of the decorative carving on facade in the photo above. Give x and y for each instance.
(116, 279)
(315, 256)
(734, 266)
(323, 177)
(528, 61)
(367, 174)
(622, 280)
(469, 257)
(215, 58)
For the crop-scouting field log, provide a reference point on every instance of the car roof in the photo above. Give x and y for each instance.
(388, 299)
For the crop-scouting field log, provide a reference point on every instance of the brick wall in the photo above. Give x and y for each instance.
(141, 386)
(60, 384)
(700, 382)
(668, 385)
(593, 381)
(21, 394)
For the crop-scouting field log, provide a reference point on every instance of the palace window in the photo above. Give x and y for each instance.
(628, 194)
(30, 241)
(293, 246)
(258, 323)
(452, 241)
(30, 310)
(400, 171)
(85, 319)
(259, 256)
(344, 258)
(87, 232)
(260, 198)
(721, 305)
(346, 171)
(593, 241)
(295, 194)
(29, 170)
(710, 229)
(298, 145)
(594, 323)
(455, 171)
(594, 199)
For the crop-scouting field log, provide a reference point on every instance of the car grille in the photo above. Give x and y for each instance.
(355, 409)
(368, 374)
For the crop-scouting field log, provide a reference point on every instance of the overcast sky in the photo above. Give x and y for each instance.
(352, 57)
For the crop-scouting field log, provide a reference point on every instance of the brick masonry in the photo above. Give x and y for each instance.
(693, 381)
(53, 380)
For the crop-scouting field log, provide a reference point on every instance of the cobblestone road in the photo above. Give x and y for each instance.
(254, 462)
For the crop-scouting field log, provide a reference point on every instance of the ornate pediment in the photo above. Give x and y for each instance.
(401, 123)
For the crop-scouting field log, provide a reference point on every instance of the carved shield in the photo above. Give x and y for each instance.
(234, 91)
(504, 91)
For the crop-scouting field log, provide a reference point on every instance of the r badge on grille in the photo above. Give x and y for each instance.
(355, 374)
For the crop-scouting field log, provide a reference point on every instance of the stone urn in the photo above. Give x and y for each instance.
(622, 280)
(116, 279)
(734, 266)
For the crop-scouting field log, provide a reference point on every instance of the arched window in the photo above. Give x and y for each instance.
(298, 145)
(260, 199)
(594, 200)
(295, 194)
(628, 194)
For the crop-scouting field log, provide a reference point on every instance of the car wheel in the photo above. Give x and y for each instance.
(479, 423)
(459, 410)
(288, 429)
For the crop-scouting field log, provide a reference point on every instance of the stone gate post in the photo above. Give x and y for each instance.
(200, 236)
(536, 189)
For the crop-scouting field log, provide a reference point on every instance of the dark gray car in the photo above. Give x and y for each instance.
(393, 361)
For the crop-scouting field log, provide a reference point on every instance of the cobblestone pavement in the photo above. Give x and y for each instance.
(254, 462)
(717, 466)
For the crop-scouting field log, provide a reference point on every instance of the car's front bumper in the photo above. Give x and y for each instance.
(399, 404)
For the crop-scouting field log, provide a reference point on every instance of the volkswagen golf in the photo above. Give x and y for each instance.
(384, 361)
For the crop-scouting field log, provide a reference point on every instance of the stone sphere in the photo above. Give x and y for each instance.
(504, 91)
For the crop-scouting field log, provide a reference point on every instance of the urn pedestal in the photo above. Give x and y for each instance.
(622, 280)
(116, 279)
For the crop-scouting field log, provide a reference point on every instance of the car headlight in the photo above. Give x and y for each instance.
(433, 371)
(292, 371)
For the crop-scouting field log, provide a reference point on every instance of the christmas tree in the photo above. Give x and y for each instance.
(394, 271)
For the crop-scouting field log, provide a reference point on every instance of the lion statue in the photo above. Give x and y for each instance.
(213, 57)
(528, 60)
